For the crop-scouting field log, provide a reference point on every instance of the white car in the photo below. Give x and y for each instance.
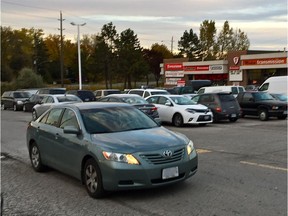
(179, 110)
(148, 92)
(51, 100)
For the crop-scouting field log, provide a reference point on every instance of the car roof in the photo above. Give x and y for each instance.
(92, 105)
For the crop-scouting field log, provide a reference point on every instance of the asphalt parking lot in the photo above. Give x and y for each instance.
(242, 171)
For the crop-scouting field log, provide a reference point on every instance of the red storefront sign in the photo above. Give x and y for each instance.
(268, 61)
(197, 68)
(173, 67)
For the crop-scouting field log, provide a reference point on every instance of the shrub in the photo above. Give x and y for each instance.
(27, 78)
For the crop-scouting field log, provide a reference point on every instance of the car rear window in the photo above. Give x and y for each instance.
(111, 92)
(226, 97)
(86, 94)
(68, 98)
(21, 94)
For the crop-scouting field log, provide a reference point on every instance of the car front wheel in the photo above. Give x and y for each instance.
(178, 120)
(35, 158)
(93, 179)
(263, 115)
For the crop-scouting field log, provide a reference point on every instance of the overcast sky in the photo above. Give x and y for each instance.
(154, 21)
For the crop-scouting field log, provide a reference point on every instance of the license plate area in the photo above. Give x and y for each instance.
(170, 172)
(233, 115)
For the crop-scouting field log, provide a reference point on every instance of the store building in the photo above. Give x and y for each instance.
(240, 68)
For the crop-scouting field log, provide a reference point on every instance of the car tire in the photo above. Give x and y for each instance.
(282, 117)
(34, 114)
(233, 119)
(35, 158)
(92, 179)
(177, 120)
(263, 115)
(15, 108)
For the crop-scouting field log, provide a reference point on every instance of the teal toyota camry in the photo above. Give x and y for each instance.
(109, 147)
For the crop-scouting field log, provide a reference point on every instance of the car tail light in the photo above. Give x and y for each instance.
(154, 109)
(218, 109)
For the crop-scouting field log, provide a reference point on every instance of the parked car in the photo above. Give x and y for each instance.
(104, 92)
(233, 89)
(180, 110)
(223, 105)
(281, 97)
(14, 99)
(29, 103)
(109, 147)
(148, 92)
(186, 91)
(51, 91)
(32, 91)
(50, 100)
(84, 95)
(135, 100)
(261, 104)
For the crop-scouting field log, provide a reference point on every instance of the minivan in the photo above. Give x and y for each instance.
(223, 105)
(233, 89)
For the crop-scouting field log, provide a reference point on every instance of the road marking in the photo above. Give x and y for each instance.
(264, 166)
(201, 151)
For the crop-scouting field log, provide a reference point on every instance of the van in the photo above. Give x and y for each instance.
(276, 84)
(233, 89)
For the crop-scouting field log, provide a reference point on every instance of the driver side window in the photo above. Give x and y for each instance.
(69, 119)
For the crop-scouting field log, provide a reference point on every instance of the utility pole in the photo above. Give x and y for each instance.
(61, 51)
(172, 45)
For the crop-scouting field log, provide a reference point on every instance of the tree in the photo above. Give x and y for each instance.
(129, 56)
(239, 40)
(189, 45)
(207, 39)
(28, 79)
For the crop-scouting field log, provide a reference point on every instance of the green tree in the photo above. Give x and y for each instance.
(224, 40)
(189, 45)
(27, 78)
(239, 41)
(207, 39)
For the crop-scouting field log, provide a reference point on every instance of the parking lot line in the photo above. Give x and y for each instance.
(201, 151)
(264, 166)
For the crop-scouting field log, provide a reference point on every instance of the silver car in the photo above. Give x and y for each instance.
(109, 147)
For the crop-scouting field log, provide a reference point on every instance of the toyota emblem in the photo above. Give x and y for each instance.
(167, 153)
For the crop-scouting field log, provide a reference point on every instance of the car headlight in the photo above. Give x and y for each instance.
(190, 147)
(19, 102)
(275, 107)
(190, 110)
(118, 157)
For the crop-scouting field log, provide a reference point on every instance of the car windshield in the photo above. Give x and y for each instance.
(182, 100)
(134, 100)
(108, 92)
(115, 119)
(259, 96)
(159, 92)
(68, 98)
(86, 94)
(22, 94)
(226, 97)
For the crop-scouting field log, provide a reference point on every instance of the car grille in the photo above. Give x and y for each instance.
(157, 159)
(204, 118)
(201, 110)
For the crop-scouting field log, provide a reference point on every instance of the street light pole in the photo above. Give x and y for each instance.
(79, 52)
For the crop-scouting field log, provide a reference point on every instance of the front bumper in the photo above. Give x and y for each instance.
(119, 176)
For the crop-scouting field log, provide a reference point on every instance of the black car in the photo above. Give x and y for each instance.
(84, 95)
(29, 103)
(14, 99)
(51, 91)
(134, 100)
(261, 104)
(223, 105)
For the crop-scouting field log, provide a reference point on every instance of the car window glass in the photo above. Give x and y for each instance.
(195, 99)
(264, 87)
(241, 89)
(146, 94)
(136, 92)
(153, 100)
(247, 97)
(98, 93)
(44, 118)
(234, 90)
(68, 98)
(53, 116)
(113, 100)
(162, 100)
(49, 100)
(104, 99)
(69, 119)
(44, 100)
(201, 91)
(206, 99)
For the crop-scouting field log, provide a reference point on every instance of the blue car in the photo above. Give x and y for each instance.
(109, 147)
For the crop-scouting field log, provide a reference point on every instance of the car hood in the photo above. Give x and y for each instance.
(196, 106)
(140, 140)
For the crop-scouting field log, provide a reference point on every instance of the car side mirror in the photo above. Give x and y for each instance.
(168, 103)
(71, 130)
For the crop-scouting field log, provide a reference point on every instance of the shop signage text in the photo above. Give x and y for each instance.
(173, 67)
(268, 61)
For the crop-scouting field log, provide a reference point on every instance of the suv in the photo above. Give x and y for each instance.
(223, 105)
(261, 104)
(104, 92)
(84, 95)
(148, 92)
(14, 99)
(51, 91)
